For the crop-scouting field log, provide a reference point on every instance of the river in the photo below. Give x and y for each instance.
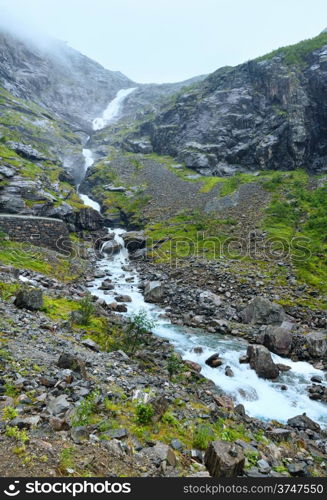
(261, 398)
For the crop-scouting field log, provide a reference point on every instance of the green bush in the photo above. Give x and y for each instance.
(202, 436)
(136, 332)
(86, 309)
(144, 413)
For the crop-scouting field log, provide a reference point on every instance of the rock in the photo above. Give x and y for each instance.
(283, 368)
(244, 359)
(263, 312)
(121, 308)
(261, 362)
(160, 453)
(209, 297)
(59, 406)
(263, 466)
(229, 372)
(70, 361)
(279, 434)
(117, 433)
(214, 361)
(224, 402)
(278, 340)
(297, 469)
(111, 247)
(240, 410)
(316, 379)
(115, 448)
(123, 298)
(195, 367)
(25, 422)
(160, 406)
(79, 434)
(29, 298)
(224, 459)
(87, 219)
(107, 285)
(134, 240)
(303, 422)
(176, 445)
(91, 345)
(317, 344)
(153, 291)
(26, 151)
(59, 424)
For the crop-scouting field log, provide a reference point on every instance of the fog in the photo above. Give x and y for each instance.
(165, 40)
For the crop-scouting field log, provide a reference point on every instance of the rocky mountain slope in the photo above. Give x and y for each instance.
(265, 114)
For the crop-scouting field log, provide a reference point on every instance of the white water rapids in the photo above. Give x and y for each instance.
(261, 398)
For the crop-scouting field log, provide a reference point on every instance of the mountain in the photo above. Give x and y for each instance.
(269, 113)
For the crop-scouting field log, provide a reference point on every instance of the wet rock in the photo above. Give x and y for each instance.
(134, 240)
(111, 247)
(244, 360)
(303, 422)
(153, 291)
(224, 459)
(316, 379)
(261, 361)
(263, 312)
(278, 340)
(214, 361)
(123, 298)
(240, 410)
(29, 298)
(229, 372)
(87, 219)
(107, 285)
(283, 368)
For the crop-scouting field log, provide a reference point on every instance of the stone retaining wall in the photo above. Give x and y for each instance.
(39, 231)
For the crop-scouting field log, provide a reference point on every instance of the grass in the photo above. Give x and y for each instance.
(296, 54)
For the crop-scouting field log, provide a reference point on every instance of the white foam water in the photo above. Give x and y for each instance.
(113, 109)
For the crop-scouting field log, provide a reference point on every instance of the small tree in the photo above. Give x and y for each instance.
(86, 309)
(136, 331)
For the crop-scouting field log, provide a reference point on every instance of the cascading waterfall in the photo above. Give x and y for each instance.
(261, 398)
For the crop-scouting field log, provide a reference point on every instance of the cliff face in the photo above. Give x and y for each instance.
(270, 113)
(58, 78)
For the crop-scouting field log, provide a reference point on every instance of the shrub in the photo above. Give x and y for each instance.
(174, 365)
(144, 413)
(202, 436)
(85, 410)
(136, 331)
(85, 310)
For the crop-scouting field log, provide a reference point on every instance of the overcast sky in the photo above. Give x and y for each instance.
(170, 40)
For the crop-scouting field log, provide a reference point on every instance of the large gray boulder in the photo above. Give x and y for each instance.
(224, 459)
(153, 291)
(134, 240)
(278, 340)
(263, 312)
(29, 298)
(303, 422)
(261, 361)
(111, 247)
(317, 344)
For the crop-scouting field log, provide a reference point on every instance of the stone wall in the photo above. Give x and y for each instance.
(39, 231)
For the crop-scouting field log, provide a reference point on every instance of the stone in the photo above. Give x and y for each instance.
(79, 434)
(297, 469)
(91, 345)
(283, 368)
(111, 247)
(123, 298)
(214, 361)
(160, 453)
(117, 433)
(153, 291)
(59, 405)
(29, 298)
(207, 297)
(263, 312)
(229, 372)
(176, 445)
(261, 361)
(303, 422)
(278, 340)
(134, 240)
(279, 434)
(107, 285)
(59, 424)
(70, 362)
(224, 402)
(195, 367)
(224, 459)
(317, 344)
(25, 422)
(160, 405)
(263, 466)
(316, 379)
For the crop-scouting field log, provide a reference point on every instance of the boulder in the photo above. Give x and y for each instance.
(208, 297)
(214, 361)
(134, 240)
(160, 405)
(317, 344)
(123, 298)
(59, 405)
(261, 361)
(224, 459)
(278, 340)
(88, 219)
(111, 247)
(71, 362)
(29, 298)
(153, 291)
(160, 453)
(303, 422)
(91, 345)
(263, 312)
(194, 367)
